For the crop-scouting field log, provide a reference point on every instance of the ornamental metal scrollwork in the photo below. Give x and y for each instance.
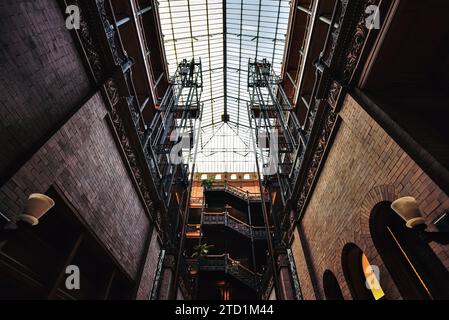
(118, 54)
(158, 276)
(354, 50)
(88, 42)
(325, 134)
(112, 91)
(343, 5)
(132, 158)
(334, 94)
(294, 274)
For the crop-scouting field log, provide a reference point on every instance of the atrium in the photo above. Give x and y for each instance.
(224, 150)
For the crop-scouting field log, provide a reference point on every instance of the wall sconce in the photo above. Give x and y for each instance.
(407, 209)
(36, 206)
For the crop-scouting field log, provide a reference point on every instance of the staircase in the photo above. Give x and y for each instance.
(228, 265)
(243, 274)
(236, 191)
(225, 219)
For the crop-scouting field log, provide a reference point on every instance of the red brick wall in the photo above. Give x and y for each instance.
(146, 283)
(42, 78)
(84, 162)
(364, 167)
(304, 275)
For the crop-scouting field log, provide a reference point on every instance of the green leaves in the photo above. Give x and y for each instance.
(201, 250)
(207, 183)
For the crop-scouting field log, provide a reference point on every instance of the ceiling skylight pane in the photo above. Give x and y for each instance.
(194, 28)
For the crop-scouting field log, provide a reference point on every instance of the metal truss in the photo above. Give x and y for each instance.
(225, 34)
(272, 113)
(174, 126)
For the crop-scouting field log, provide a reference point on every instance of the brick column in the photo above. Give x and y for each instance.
(167, 276)
(285, 281)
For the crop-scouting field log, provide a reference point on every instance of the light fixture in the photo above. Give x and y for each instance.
(36, 206)
(407, 209)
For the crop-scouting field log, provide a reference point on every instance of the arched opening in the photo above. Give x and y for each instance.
(415, 268)
(332, 289)
(359, 274)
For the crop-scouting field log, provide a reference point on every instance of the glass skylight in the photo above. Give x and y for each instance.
(224, 35)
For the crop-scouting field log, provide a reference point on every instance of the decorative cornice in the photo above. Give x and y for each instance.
(329, 122)
(354, 49)
(334, 99)
(89, 43)
(120, 128)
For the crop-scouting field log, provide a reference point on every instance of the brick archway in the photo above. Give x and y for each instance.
(373, 197)
(359, 233)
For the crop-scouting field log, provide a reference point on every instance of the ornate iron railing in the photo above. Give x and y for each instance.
(226, 219)
(157, 276)
(236, 191)
(228, 265)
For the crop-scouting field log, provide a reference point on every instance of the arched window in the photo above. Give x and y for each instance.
(359, 274)
(331, 287)
(416, 270)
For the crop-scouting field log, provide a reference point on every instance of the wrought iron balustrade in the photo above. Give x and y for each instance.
(228, 265)
(236, 191)
(226, 219)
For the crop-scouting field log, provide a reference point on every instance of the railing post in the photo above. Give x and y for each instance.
(253, 251)
(226, 217)
(226, 263)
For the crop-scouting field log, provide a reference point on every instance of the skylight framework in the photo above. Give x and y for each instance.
(175, 127)
(225, 34)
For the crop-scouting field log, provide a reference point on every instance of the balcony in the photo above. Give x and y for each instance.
(238, 192)
(227, 265)
(225, 219)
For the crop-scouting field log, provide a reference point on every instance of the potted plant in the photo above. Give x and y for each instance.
(201, 250)
(207, 183)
